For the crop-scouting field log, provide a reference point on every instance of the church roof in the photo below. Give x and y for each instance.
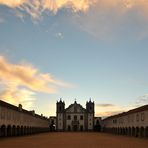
(76, 106)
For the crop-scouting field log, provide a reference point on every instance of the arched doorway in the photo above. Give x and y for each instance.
(22, 131)
(146, 131)
(133, 131)
(137, 131)
(18, 131)
(3, 131)
(9, 130)
(13, 130)
(142, 134)
(129, 131)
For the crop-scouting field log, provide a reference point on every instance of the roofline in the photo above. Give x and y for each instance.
(132, 111)
(15, 108)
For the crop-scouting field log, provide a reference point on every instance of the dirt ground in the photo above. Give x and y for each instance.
(73, 140)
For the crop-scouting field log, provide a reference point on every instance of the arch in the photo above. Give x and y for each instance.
(22, 131)
(133, 131)
(28, 130)
(137, 131)
(126, 131)
(129, 131)
(123, 131)
(3, 131)
(25, 130)
(13, 130)
(120, 130)
(146, 131)
(18, 131)
(142, 134)
(9, 130)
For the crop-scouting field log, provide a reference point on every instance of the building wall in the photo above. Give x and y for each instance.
(60, 118)
(131, 123)
(16, 118)
(81, 122)
(90, 121)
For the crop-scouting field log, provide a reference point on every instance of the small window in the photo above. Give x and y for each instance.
(81, 117)
(69, 117)
(137, 117)
(142, 117)
(75, 117)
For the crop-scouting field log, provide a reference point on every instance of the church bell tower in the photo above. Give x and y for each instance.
(60, 115)
(90, 113)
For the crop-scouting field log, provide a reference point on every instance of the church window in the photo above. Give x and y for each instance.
(75, 117)
(81, 117)
(60, 108)
(69, 117)
(142, 117)
(137, 117)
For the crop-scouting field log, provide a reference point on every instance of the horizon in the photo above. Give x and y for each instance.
(74, 50)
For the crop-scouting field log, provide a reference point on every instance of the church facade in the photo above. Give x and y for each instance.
(75, 117)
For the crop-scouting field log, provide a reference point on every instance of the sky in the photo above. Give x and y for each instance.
(74, 49)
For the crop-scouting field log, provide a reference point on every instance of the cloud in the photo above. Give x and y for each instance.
(18, 96)
(59, 35)
(114, 18)
(142, 100)
(36, 7)
(105, 105)
(105, 110)
(2, 20)
(20, 82)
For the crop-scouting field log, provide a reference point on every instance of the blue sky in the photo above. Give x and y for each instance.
(100, 53)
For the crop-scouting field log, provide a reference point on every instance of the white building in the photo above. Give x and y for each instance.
(132, 123)
(75, 117)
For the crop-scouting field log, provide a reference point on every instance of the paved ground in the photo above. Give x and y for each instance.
(73, 140)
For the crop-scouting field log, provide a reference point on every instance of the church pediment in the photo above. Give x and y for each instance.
(75, 108)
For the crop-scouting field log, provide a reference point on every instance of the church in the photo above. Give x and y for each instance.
(75, 117)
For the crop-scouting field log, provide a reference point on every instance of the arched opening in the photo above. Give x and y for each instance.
(120, 130)
(126, 131)
(13, 130)
(3, 131)
(69, 128)
(142, 134)
(97, 127)
(123, 131)
(18, 131)
(22, 131)
(25, 130)
(137, 131)
(28, 132)
(133, 131)
(146, 131)
(129, 131)
(9, 130)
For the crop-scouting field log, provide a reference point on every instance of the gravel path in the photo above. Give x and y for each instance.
(74, 140)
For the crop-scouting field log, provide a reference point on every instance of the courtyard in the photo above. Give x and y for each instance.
(73, 140)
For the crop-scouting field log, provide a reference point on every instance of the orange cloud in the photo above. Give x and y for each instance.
(105, 110)
(36, 7)
(18, 96)
(27, 76)
(21, 81)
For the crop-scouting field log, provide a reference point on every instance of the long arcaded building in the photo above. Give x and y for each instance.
(132, 123)
(16, 121)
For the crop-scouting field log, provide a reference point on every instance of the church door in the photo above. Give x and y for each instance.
(75, 128)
